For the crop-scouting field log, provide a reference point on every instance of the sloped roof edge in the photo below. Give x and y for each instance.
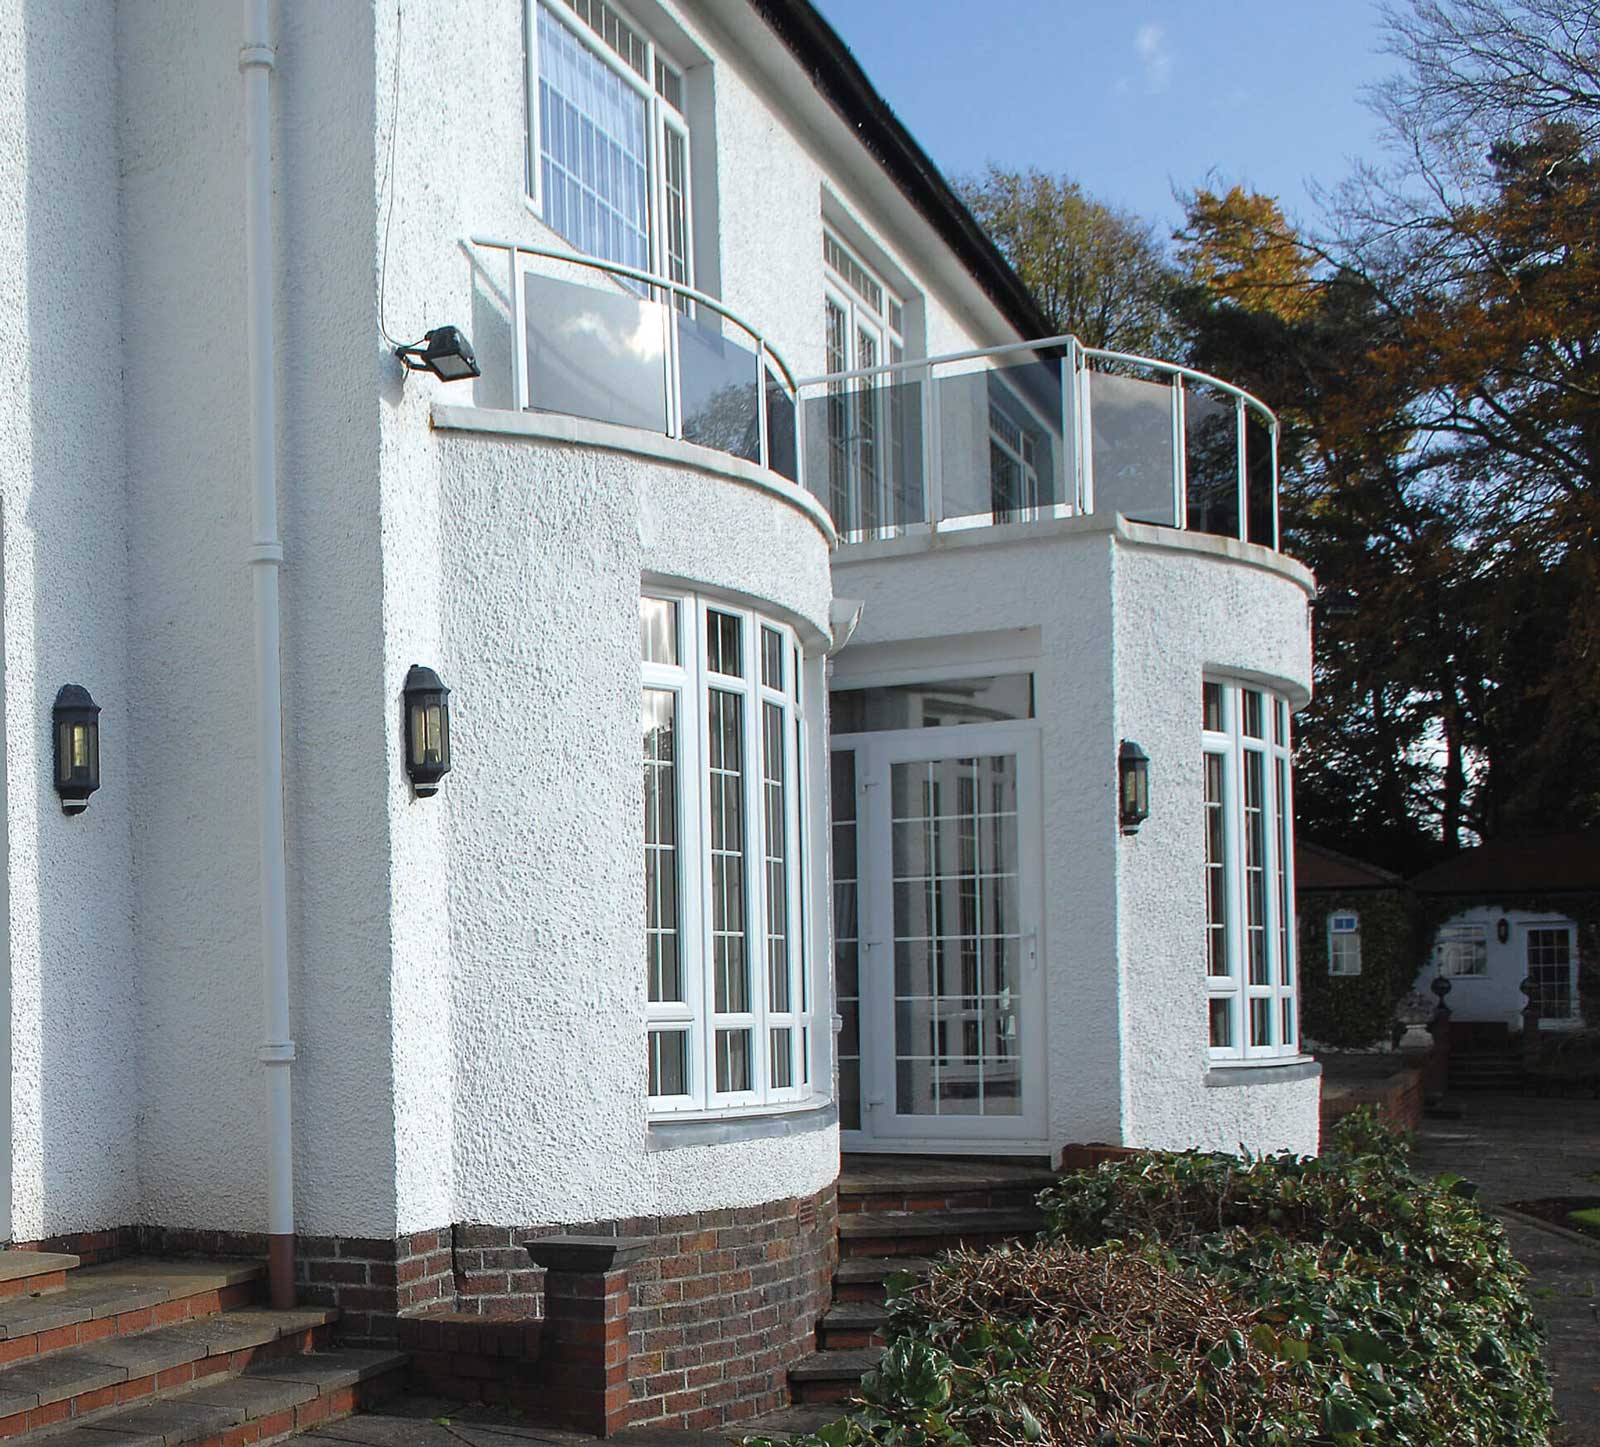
(1318, 867)
(1528, 863)
(841, 81)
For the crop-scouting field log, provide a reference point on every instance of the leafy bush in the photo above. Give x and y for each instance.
(1397, 1296)
(1186, 1298)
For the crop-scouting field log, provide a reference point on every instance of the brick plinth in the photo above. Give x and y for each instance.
(696, 1325)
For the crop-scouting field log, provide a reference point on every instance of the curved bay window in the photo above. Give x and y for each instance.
(729, 1005)
(1249, 869)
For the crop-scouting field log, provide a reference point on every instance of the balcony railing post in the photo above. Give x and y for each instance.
(1070, 472)
(1244, 470)
(932, 452)
(669, 353)
(1180, 457)
(1277, 530)
(519, 336)
(1086, 433)
(761, 403)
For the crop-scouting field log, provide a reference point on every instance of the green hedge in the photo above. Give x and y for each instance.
(1349, 1012)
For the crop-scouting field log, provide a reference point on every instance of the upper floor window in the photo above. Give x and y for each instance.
(609, 149)
(729, 992)
(1249, 817)
(1344, 944)
(863, 327)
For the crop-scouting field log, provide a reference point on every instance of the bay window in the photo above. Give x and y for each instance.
(1249, 869)
(608, 148)
(728, 998)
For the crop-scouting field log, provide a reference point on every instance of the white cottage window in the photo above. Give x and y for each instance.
(1462, 950)
(608, 152)
(1344, 944)
(729, 1001)
(1249, 946)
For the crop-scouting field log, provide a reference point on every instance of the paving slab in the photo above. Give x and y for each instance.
(252, 1397)
(61, 1375)
(329, 1371)
(217, 1334)
(14, 1265)
(148, 1352)
(107, 1436)
(169, 1422)
(1521, 1147)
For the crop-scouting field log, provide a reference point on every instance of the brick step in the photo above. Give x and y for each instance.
(902, 1233)
(862, 1278)
(917, 1184)
(831, 1376)
(791, 1422)
(65, 1386)
(850, 1324)
(119, 1299)
(32, 1273)
(268, 1401)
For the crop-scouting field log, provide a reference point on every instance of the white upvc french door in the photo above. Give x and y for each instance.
(951, 992)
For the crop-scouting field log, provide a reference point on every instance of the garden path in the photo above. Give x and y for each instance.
(1522, 1147)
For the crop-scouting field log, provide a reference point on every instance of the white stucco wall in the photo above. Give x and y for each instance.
(71, 990)
(1497, 994)
(1128, 618)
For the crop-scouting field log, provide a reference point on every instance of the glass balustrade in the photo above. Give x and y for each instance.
(1051, 429)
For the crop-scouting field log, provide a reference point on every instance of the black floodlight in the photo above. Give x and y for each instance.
(445, 352)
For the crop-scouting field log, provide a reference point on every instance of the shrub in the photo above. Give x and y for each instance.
(1186, 1298)
(1397, 1295)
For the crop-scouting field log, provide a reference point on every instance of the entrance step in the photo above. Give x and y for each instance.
(32, 1273)
(790, 1422)
(852, 1324)
(151, 1352)
(119, 1299)
(263, 1404)
(862, 1278)
(831, 1376)
(897, 1233)
(916, 1183)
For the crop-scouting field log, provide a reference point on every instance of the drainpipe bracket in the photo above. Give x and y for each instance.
(267, 553)
(262, 55)
(279, 1052)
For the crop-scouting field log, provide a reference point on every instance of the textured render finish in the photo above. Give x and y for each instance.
(543, 557)
(71, 992)
(1180, 617)
(1496, 995)
(1127, 619)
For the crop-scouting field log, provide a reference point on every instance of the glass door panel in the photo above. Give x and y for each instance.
(950, 1033)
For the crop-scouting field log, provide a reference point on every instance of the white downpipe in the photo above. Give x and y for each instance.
(256, 61)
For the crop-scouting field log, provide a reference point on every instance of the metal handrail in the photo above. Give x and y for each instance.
(649, 278)
(1066, 339)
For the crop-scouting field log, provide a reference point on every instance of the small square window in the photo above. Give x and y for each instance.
(1462, 951)
(1344, 944)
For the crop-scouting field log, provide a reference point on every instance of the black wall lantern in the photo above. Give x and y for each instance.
(1133, 786)
(1502, 929)
(445, 352)
(75, 724)
(427, 730)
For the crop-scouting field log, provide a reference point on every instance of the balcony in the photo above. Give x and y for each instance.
(1036, 430)
(1006, 435)
(618, 345)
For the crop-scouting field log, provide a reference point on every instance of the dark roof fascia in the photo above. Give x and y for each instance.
(840, 80)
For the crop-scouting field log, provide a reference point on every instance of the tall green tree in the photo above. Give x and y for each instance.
(1096, 272)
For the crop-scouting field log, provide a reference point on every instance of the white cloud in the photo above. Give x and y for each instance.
(1150, 45)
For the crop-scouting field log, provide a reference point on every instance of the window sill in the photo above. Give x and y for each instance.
(1221, 1074)
(701, 1128)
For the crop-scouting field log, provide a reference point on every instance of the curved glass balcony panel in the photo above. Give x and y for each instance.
(1211, 455)
(612, 343)
(1036, 430)
(1135, 465)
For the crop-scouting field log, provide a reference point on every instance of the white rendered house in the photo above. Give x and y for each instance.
(745, 365)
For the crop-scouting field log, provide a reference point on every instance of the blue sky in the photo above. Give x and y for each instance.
(1130, 98)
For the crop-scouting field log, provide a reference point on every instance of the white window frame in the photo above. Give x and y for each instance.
(662, 117)
(1234, 748)
(877, 324)
(1344, 944)
(1448, 947)
(691, 681)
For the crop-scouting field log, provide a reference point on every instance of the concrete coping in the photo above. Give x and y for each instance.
(586, 1255)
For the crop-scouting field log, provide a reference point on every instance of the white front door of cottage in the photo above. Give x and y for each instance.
(949, 990)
